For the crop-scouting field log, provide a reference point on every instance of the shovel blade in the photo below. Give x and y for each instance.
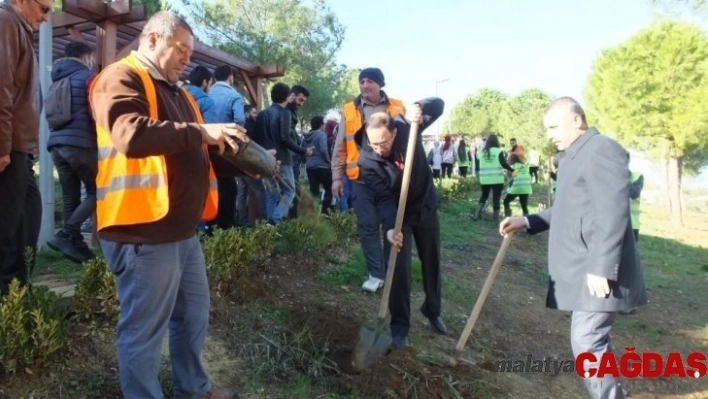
(373, 344)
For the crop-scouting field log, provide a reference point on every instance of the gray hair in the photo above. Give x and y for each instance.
(164, 24)
(571, 104)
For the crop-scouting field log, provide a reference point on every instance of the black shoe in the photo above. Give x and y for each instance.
(398, 342)
(628, 312)
(436, 323)
(66, 244)
(83, 249)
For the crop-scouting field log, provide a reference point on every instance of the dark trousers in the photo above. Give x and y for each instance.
(226, 214)
(463, 170)
(20, 216)
(321, 177)
(476, 165)
(636, 235)
(425, 230)
(436, 173)
(446, 169)
(590, 332)
(533, 171)
(496, 190)
(523, 199)
(376, 248)
(75, 166)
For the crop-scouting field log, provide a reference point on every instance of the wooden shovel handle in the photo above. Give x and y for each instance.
(407, 169)
(483, 295)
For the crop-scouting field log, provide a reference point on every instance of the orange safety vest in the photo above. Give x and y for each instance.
(354, 121)
(134, 190)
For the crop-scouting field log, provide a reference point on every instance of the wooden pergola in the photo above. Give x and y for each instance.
(114, 28)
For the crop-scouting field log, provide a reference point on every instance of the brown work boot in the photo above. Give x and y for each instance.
(220, 394)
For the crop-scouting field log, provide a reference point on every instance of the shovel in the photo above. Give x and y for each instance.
(374, 344)
(481, 299)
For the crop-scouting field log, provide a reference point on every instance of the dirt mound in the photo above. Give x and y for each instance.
(400, 374)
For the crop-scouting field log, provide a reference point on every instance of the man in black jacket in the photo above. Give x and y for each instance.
(273, 132)
(74, 150)
(381, 165)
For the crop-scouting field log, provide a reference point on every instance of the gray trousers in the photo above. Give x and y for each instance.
(590, 332)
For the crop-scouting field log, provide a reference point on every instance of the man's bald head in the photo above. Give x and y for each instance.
(568, 104)
(565, 121)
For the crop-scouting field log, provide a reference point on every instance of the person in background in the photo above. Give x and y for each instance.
(245, 183)
(449, 157)
(74, 150)
(319, 171)
(275, 133)
(534, 159)
(200, 81)
(464, 157)
(298, 97)
(635, 191)
(520, 186)
(491, 176)
(348, 144)
(435, 160)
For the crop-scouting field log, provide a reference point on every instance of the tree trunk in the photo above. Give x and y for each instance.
(674, 180)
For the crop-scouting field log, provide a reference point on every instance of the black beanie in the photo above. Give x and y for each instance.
(374, 74)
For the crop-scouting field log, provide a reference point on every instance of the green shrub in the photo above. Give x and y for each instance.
(32, 327)
(305, 235)
(234, 253)
(96, 294)
(344, 224)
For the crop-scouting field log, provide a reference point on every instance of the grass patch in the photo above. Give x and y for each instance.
(52, 262)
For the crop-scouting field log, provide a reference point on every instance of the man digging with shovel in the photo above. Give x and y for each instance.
(381, 168)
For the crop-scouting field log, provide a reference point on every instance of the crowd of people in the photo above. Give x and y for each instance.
(147, 150)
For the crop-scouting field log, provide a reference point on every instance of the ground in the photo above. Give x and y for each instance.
(289, 329)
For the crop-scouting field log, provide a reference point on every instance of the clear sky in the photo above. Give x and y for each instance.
(503, 44)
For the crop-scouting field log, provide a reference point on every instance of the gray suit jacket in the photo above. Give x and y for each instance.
(591, 230)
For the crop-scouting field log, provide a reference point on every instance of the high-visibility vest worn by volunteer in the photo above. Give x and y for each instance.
(134, 190)
(522, 180)
(354, 121)
(490, 169)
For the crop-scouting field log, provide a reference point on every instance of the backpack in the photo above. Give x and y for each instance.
(57, 106)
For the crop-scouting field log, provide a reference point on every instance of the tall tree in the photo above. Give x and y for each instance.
(478, 113)
(650, 91)
(521, 117)
(302, 36)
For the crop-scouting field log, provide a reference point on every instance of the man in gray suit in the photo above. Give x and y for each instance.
(593, 264)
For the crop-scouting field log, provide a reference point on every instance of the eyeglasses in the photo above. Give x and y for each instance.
(43, 8)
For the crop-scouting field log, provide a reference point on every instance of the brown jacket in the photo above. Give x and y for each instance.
(19, 82)
(119, 105)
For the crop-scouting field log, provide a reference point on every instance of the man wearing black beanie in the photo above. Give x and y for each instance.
(344, 166)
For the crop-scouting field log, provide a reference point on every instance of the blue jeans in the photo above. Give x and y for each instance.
(346, 194)
(161, 287)
(281, 196)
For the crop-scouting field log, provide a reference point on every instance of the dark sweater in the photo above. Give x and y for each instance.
(385, 178)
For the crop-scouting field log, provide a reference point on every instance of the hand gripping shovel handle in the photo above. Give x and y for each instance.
(410, 152)
(482, 296)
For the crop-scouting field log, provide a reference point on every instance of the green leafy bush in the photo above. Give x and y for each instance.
(96, 294)
(32, 327)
